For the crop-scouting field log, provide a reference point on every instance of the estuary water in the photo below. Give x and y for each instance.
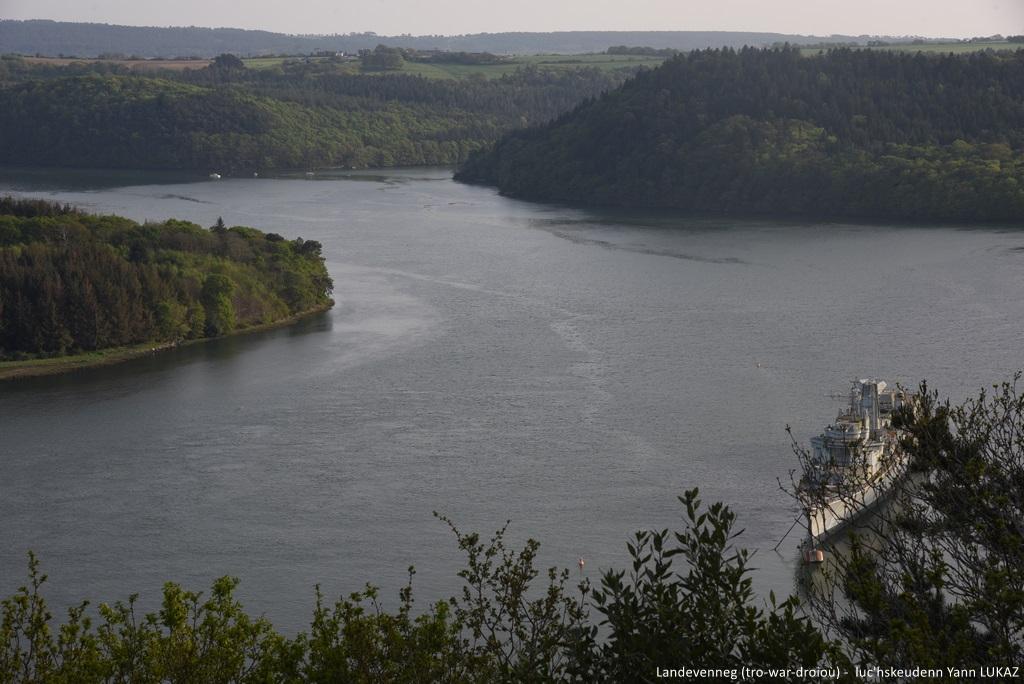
(570, 370)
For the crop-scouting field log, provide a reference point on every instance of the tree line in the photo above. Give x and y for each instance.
(72, 282)
(934, 583)
(855, 133)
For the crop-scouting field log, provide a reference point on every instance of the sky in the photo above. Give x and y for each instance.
(933, 18)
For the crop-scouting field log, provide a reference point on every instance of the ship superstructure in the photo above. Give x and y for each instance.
(854, 463)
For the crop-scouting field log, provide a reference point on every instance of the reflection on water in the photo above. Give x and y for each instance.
(490, 359)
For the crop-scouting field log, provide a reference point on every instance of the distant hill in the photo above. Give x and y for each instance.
(848, 133)
(55, 38)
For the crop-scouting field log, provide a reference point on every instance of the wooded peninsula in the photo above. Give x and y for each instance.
(73, 283)
(848, 133)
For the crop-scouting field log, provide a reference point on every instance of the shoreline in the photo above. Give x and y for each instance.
(60, 365)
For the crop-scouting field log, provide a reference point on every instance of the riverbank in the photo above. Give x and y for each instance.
(33, 368)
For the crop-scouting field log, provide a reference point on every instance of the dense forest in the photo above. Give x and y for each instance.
(295, 115)
(55, 38)
(72, 282)
(855, 133)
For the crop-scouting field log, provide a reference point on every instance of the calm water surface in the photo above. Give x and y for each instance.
(490, 359)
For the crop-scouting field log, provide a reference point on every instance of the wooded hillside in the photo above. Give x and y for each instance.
(849, 133)
(290, 116)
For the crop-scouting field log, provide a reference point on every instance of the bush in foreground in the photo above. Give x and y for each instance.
(936, 581)
(687, 598)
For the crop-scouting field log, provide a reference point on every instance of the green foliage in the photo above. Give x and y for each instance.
(512, 631)
(657, 616)
(73, 282)
(216, 298)
(506, 625)
(227, 61)
(172, 320)
(297, 115)
(854, 133)
(381, 57)
(358, 641)
(939, 580)
(187, 640)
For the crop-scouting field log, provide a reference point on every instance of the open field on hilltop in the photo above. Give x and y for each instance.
(452, 70)
(932, 48)
(441, 70)
(548, 62)
(953, 47)
(133, 64)
(599, 60)
(268, 62)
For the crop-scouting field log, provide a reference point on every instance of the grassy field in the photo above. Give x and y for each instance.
(455, 71)
(599, 60)
(934, 48)
(426, 69)
(133, 64)
(550, 62)
(267, 62)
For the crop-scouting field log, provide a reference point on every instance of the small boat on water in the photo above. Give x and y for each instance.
(854, 464)
(215, 176)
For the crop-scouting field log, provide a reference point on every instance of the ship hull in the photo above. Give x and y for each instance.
(829, 516)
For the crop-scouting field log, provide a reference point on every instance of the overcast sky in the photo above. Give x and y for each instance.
(954, 18)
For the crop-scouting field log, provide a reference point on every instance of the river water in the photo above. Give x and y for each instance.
(572, 371)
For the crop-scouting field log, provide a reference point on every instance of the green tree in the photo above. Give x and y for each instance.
(382, 57)
(220, 311)
(358, 641)
(172, 320)
(938, 579)
(704, 614)
(227, 61)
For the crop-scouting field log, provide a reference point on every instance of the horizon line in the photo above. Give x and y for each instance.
(485, 33)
